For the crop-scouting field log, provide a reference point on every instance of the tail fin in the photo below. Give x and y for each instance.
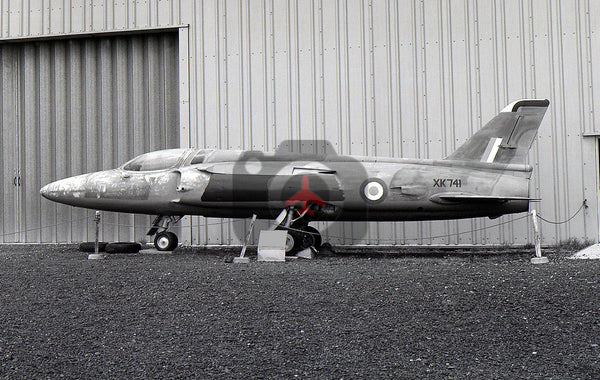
(507, 137)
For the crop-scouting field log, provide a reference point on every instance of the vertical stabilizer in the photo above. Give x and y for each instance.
(507, 137)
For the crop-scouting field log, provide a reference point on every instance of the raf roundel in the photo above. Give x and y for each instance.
(373, 190)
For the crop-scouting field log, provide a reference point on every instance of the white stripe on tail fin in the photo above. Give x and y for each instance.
(492, 149)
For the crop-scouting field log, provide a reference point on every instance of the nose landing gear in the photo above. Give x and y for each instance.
(164, 240)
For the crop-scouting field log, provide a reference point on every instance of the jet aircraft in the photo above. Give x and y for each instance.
(487, 176)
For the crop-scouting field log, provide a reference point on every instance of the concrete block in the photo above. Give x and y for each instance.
(271, 246)
(96, 256)
(539, 260)
(307, 253)
(241, 260)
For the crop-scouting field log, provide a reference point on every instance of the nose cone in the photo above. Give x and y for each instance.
(105, 190)
(65, 190)
(48, 190)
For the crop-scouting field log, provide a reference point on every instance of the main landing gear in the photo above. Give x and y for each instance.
(164, 240)
(300, 235)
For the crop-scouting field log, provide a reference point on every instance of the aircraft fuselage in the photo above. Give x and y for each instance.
(237, 184)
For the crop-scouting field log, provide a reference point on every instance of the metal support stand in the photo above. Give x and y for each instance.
(96, 255)
(538, 259)
(242, 259)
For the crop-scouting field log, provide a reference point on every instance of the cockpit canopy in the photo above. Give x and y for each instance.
(162, 159)
(165, 159)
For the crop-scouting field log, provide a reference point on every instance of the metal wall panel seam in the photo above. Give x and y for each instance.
(442, 80)
(582, 113)
(313, 70)
(217, 111)
(400, 150)
(424, 115)
(19, 141)
(296, 70)
(44, 15)
(3, 172)
(290, 71)
(417, 97)
(198, 96)
(390, 90)
(348, 149)
(87, 13)
(266, 76)
(273, 140)
(482, 233)
(9, 157)
(444, 117)
(318, 101)
(363, 98)
(243, 80)
(469, 86)
(536, 145)
(496, 39)
(456, 224)
(225, 53)
(338, 80)
(342, 95)
(249, 79)
(557, 214)
(130, 11)
(395, 106)
(563, 131)
(8, 170)
(323, 134)
(225, 224)
(523, 50)
(589, 66)
(507, 231)
(416, 89)
(591, 107)
(372, 100)
(219, 96)
(372, 125)
(25, 13)
(106, 13)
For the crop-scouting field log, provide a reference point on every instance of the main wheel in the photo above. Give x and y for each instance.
(165, 241)
(310, 237)
(292, 241)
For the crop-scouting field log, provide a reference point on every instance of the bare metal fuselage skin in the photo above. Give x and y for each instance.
(352, 188)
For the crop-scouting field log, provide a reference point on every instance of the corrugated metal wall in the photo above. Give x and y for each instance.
(400, 78)
(80, 105)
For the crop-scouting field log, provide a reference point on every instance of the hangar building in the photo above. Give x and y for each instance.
(87, 85)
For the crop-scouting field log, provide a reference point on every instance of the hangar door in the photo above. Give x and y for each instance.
(78, 105)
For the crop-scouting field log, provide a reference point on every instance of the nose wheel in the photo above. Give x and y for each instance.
(165, 241)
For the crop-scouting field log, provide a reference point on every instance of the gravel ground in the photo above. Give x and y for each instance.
(191, 314)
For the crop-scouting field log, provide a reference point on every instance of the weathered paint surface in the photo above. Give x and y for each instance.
(238, 184)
